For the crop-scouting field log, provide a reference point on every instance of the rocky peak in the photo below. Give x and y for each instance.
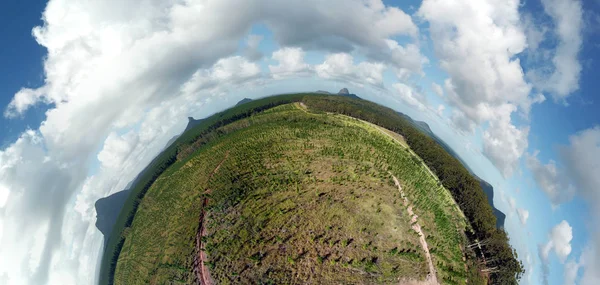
(344, 91)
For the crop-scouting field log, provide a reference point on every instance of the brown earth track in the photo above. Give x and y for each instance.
(431, 277)
(200, 268)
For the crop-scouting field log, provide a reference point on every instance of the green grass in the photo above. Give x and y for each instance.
(180, 149)
(299, 198)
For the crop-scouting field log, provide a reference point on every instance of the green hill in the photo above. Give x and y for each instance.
(485, 186)
(289, 189)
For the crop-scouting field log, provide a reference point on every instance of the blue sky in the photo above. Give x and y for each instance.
(114, 99)
(21, 62)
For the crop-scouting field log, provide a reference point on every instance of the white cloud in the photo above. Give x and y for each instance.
(559, 242)
(503, 143)
(571, 270)
(39, 187)
(25, 98)
(291, 63)
(580, 159)
(440, 110)
(340, 66)
(577, 176)
(4, 193)
(312, 25)
(590, 261)
(437, 89)
(231, 70)
(550, 179)
(121, 77)
(512, 203)
(461, 123)
(477, 43)
(562, 78)
(90, 38)
(535, 32)
(410, 96)
(117, 149)
(252, 51)
(529, 264)
(405, 60)
(1, 230)
(523, 215)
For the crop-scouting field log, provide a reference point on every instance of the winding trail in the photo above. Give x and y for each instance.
(431, 277)
(200, 268)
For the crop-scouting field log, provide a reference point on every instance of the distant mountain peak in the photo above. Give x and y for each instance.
(107, 212)
(243, 101)
(344, 91)
(192, 123)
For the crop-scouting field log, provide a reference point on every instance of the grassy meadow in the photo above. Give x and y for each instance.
(295, 197)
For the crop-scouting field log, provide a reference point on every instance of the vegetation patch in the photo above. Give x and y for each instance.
(306, 195)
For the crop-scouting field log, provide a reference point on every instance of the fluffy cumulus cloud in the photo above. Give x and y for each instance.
(364, 24)
(477, 43)
(586, 260)
(461, 123)
(405, 60)
(582, 163)
(577, 175)
(550, 180)
(590, 261)
(561, 78)
(559, 242)
(291, 63)
(341, 66)
(410, 96)
(25, 98)
(38, 187)
(503, 143)
(234, 70)
(117, 148)
(119, 78)
(571, 270)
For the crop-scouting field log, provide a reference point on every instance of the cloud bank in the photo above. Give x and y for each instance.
(120, 76)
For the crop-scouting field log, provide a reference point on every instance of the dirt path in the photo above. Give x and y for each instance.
(431, 277)
(200, 268)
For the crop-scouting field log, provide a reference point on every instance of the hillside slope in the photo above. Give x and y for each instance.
(432, 159)
(291, 196)
(487, 188)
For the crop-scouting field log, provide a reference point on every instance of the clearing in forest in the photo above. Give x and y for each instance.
(298, 198)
